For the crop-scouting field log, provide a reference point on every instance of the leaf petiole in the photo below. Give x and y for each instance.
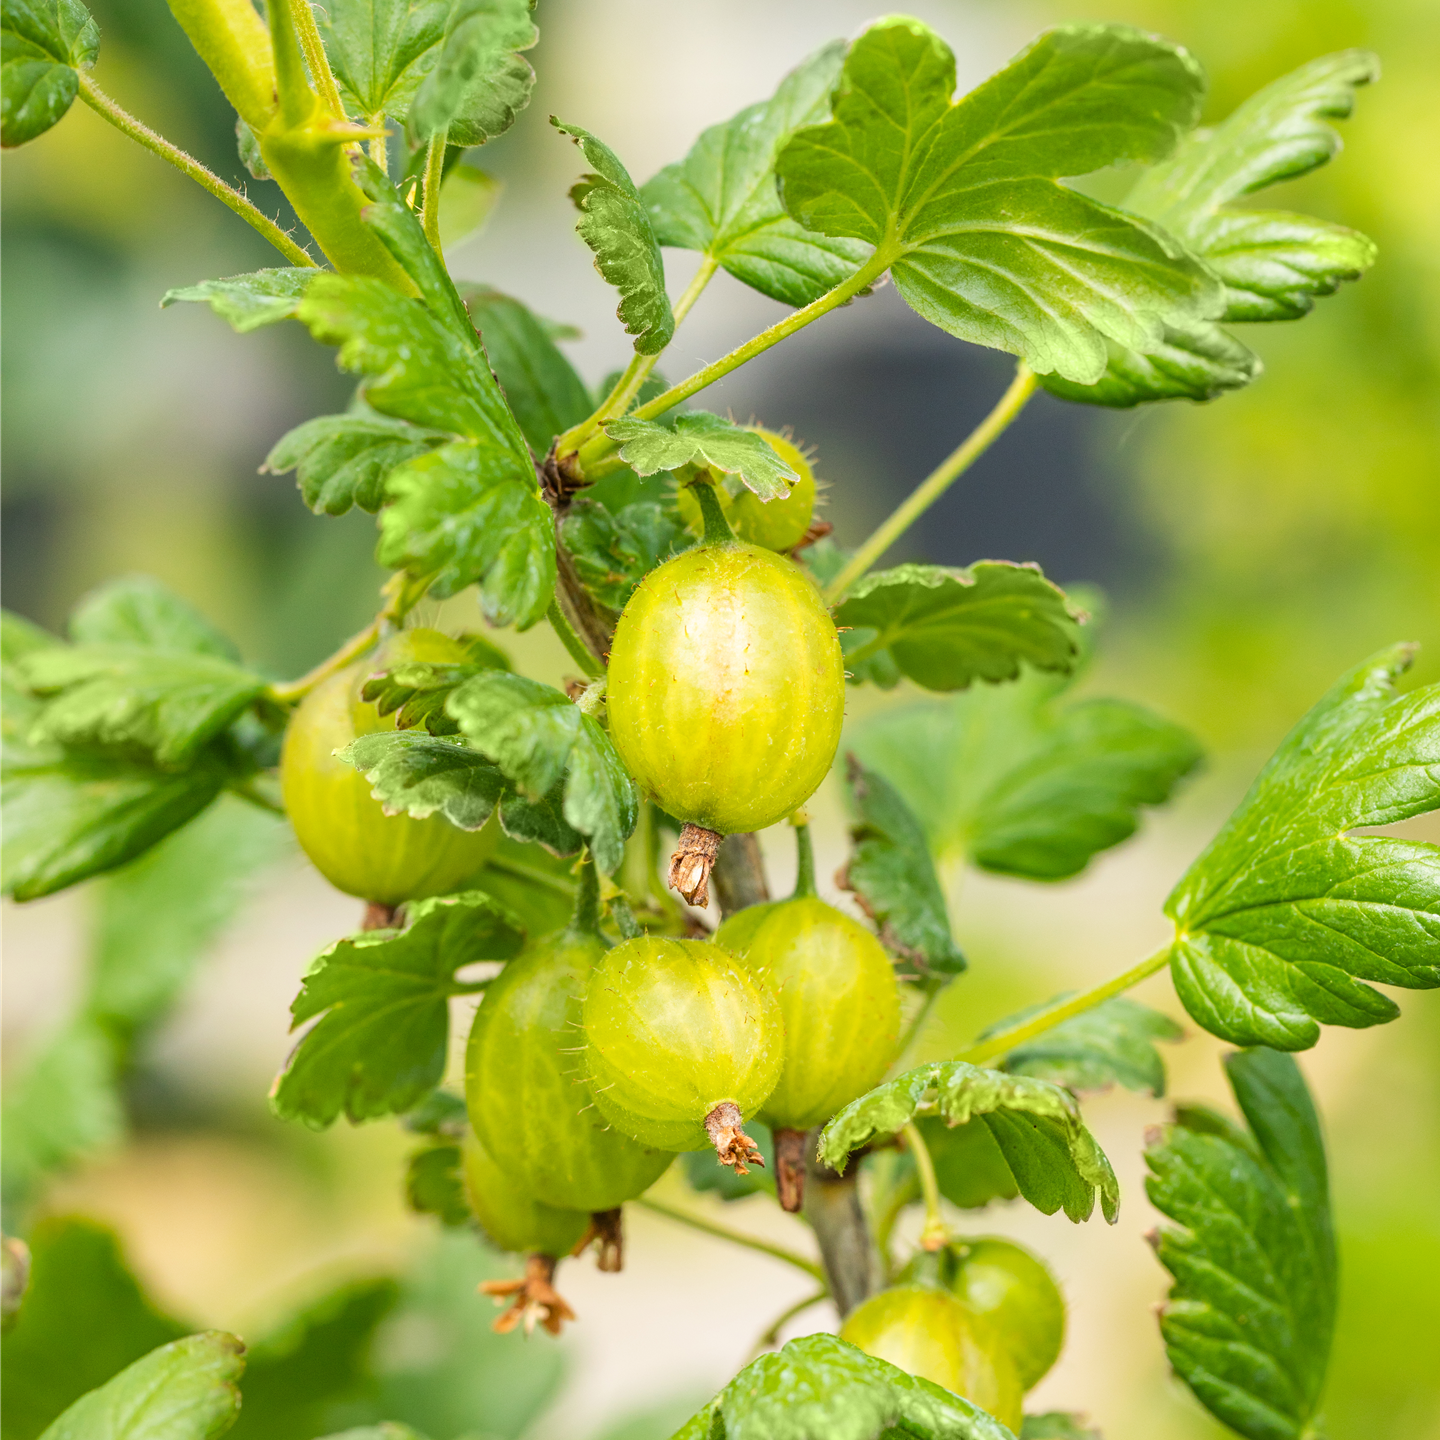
(936, 1231)
(937, 482)
(302, 17)
(574, 646)
(735, 1237)
(430, 194)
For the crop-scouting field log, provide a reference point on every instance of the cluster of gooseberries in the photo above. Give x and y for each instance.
(591, 1064)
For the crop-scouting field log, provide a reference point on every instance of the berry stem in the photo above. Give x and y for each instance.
(585, 918)
(936, 1232)
(717, 527)
(804, 863)
(735, 1237)
(624, 917)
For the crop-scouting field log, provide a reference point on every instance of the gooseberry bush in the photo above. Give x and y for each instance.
(493, 825)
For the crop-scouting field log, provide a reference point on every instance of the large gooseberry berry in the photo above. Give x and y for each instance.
(778, 524)
(354, 844)
(931, 1334)
(681, 1042)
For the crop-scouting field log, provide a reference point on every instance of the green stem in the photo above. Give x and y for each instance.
(287, 692)
(1006, 1040)
(318, 63)
(231, 38)
(380, 142)
(142, 134)
(600, 445)
(585, 918)
(430, 194)
(936, 1231)
(772, 1335)
(937, 482)
(717, 527)
(624, 917)
(735, 1237)
(804, 862)
(574, 646)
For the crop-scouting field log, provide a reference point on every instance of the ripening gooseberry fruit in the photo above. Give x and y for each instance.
(525, 1083)
(929, 1333)
(840, 1002)
(776, 524)
(681, 1043)
(352, 842)
(513, 1220)
(726, 692)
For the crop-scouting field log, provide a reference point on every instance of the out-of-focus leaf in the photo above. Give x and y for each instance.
(707, 441)
(946, 628)
(467, 197)
(614, 224)
(1053, 1157)
(139, 610)
(963, 202)
(614, 550)
(721, 198)
(186, 1390)
(894, 878)
(537, 885)
(434, 1185)
(1251, 1315)
(1057, 1425)
(1285, 914)
(380, 50)
(250, 301)
(383, 998)
(970, 1167)
(44, 44)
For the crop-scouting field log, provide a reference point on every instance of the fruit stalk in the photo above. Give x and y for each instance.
(725, 1127)
(739, 873)
(379, 916)
(533, 1299)
(691, 863)
(832, 1206)
(607, 1235)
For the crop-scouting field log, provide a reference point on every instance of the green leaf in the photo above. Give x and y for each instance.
(380, 51)
(434, 1185)
(479, 81)
(186, 1390)
(1285, 914)
(1112, 1044)
(1053, 1157)
(419, 775)
(464, 515)
(1273, 264)
(1057, 1425)
(969, 1166)
(19, 637)
(894, 878)
(614, 224)
(721, 198)
(468, 196)
(614, 551)
(545, 393)
(250, 301)
(83, 1319)
(537, 885)
(823, 1388)
(383, 1000)
(707, 441)
(945, 628)
(386, 1430)
(416, 692)
(963, 201)
(342, 460)
(44, 44)
(1019, 784)
(1250, 1317)
(139, 610)
(540, 739)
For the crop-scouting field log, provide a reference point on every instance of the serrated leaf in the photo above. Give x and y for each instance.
(1273, 265)
(419, 775)
(380, 51)
(263, 297)
(415, 692)
(434, 1186)
(545, 393)
(963, 202)
(541, 741)
(186, 1390)
(1285, 914)
(614, 224)
(823, 1388)
(479, 81)
(1053, 1157)
(707, 441)
(893, 876)
(614, 551)
(721, 198)
(1250, 1317)
(1019, 784)
(44, 44)
(342, 460)
(464, 516)
(382, 996)
(945, 628)
(1111, 1044)
(1057, 1425)
(970, 1167)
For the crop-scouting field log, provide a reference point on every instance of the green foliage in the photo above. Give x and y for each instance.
(1250, 1317)
(380, 51)
(383, 998)
(945, 628)
(1057, 1425)
(706, 441)
(613, 223)
(467, 197)
(263, 297)
(541, 740)
(44, 44)
(970, 1167)
(1112, 1044)
(963, 201)
(894, 878)
(435, 1186)
(721, 198)
(1019, 784)
(186, 1390)
(1273, 264)
(614, 550)
(423, 775)
(139, 611)
(415, 692)
(822, 1388)
(1053, 1157)
(1285, 914)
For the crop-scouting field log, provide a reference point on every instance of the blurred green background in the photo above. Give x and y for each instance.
(1252, 549)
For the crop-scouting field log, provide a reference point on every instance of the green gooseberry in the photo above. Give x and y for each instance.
(510, 1216)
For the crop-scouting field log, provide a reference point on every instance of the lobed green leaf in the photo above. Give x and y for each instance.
(138, 610)
(614, 550)
(263, 297)
(420, 775)
(44, 44)
(696, 437)
(434, 1184)
(380, 51)
(416, 692)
